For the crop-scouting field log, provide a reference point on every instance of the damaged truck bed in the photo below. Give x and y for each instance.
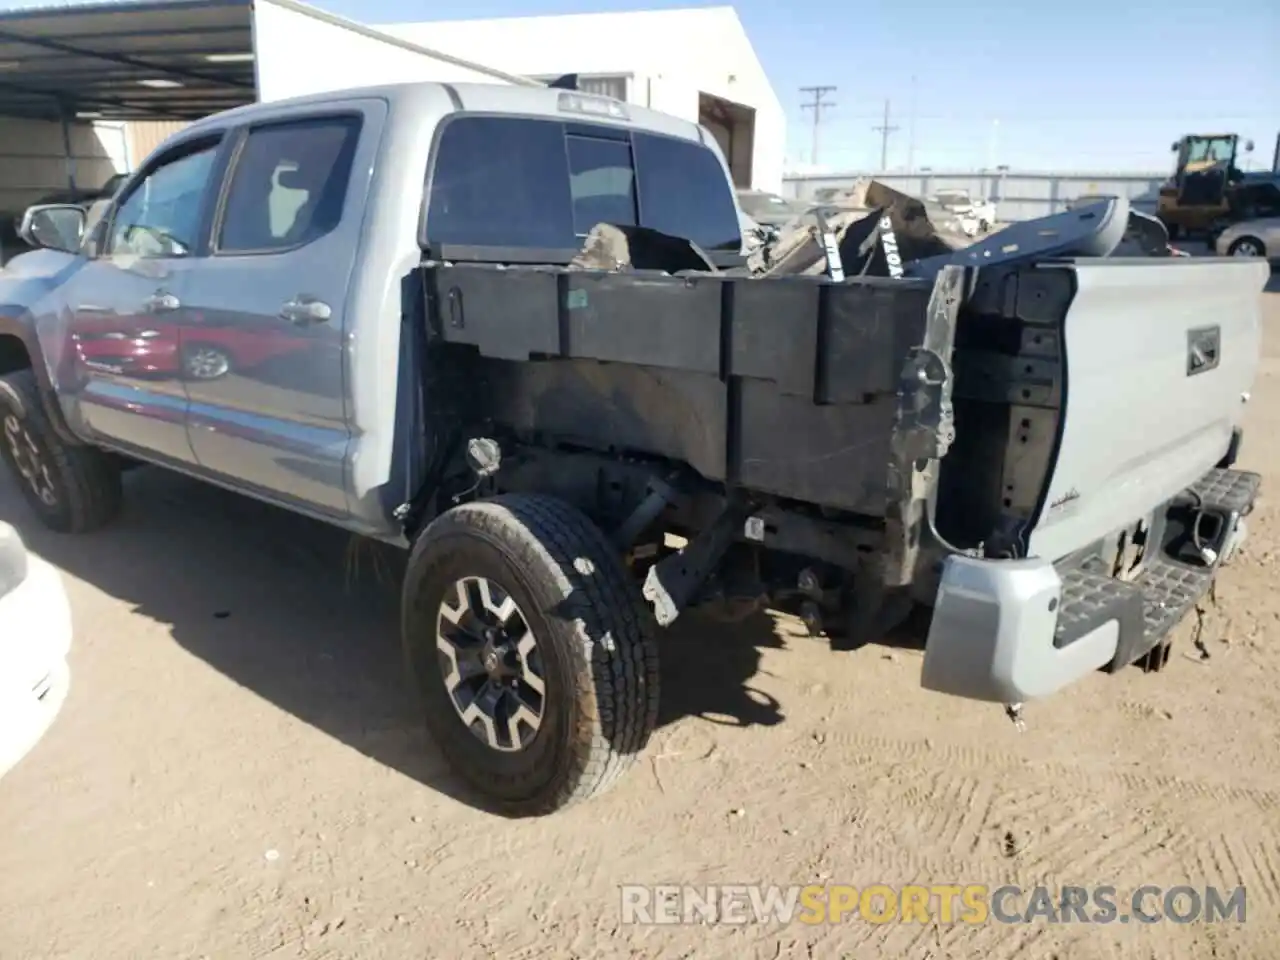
(1026, 443)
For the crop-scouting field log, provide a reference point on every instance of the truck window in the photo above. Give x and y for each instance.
(685, 192)
(161, 215)
(601, 182)
(289, 184)
(511, 182)
(500, 182)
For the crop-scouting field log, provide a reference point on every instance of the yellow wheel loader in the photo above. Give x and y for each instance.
(1208, 190)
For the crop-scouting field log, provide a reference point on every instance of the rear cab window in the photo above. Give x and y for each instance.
(537, 186)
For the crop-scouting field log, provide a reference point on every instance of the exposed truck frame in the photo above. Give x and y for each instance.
(574, 383)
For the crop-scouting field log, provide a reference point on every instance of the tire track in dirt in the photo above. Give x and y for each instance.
(949, 805)
(1045, 821)
(1226, 861)
(985, 763)
(1031, 829)
(991, 941)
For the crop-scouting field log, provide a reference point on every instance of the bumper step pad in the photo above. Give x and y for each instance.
(1165, 591)
(1232, 491)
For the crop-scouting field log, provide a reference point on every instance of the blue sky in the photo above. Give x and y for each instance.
(1088, 84)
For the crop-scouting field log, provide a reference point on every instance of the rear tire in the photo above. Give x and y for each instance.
(1247, 247)
(532, 650)
(72, 489)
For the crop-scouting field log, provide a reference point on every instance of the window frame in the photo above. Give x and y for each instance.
(724, 259)
(239, 140)
(545, 255)
(571, 135)
(99, 245)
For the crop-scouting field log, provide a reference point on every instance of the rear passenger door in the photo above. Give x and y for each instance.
(266, 320)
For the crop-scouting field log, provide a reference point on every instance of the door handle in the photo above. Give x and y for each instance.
(304, 310)
(160, 302)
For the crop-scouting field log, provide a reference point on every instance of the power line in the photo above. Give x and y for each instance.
(1039, 118)
(884, 130)
(817, 106)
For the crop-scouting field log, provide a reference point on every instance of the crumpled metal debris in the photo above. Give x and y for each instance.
(1145, 236)
(876, 231)
(797, 248)
(613, 247)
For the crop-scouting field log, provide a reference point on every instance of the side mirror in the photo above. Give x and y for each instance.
(1248, 146)
(54, 226)
(1177, 145)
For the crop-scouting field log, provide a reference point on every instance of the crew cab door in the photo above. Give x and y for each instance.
(266, 311)
(121, 370)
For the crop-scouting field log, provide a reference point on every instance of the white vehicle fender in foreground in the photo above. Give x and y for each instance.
(35, 639)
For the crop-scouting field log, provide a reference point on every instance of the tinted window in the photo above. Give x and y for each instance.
(509, 182)
(500, 182)
(601, 182)
(684, 192)
(289, 184)
(161, 216)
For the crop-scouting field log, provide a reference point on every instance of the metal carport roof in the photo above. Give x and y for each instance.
(153, 59)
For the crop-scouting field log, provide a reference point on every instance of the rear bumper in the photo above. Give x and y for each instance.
(1009, 631)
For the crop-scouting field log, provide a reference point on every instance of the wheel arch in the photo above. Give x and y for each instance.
(20, 350)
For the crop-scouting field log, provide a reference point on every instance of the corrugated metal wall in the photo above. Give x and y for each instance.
(1019, 196)
(33, 160)
(145, 135)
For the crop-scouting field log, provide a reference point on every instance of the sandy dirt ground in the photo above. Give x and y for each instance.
(239, 772)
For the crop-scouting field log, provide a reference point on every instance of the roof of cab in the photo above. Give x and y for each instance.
(478, 98)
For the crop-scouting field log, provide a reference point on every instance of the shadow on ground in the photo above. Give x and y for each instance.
(286, 608)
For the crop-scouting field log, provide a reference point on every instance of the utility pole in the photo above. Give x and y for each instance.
(817, 106)
(911, 131)
(884, 130)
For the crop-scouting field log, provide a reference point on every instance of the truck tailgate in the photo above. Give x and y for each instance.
(1160, 356)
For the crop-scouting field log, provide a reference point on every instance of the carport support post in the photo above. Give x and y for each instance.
(68, 153)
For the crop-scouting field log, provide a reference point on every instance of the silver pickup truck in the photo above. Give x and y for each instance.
(370, 308)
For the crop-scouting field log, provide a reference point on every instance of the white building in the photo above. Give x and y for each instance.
(694, 63)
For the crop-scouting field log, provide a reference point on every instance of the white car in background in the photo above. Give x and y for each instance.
(976, 217)
(1250, 238)
(35, 638)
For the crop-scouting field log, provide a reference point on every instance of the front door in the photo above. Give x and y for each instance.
(123, 361)
(266, 312)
